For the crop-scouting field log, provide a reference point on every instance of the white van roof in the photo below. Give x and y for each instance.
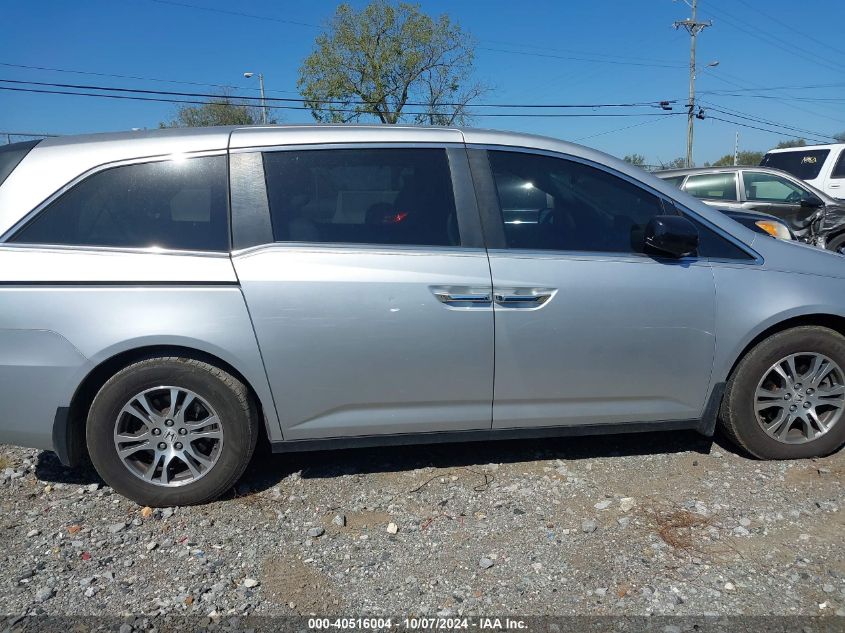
(804, 148)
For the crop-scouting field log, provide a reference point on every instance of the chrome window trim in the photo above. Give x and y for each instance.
(150, 250)
(347, 145)
(756, 258)
(29, 216)
(360, 248)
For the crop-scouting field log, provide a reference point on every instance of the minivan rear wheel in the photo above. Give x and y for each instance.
(171, 431)
(786, 397)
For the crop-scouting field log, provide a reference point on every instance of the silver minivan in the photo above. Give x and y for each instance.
(170, 298)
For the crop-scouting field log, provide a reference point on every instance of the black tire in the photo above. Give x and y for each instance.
(836, 243)
(228, 396)
(737, 415)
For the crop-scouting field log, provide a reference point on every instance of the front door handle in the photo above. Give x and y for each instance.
(458, 298)
(534, 299)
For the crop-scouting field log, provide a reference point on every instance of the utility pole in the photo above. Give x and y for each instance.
(693, 27)
(736, 150)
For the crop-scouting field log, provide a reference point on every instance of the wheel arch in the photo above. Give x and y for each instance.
(69, 426)
(833, 321)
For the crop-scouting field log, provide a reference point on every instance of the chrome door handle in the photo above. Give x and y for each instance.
(449, 298)
(523, 301)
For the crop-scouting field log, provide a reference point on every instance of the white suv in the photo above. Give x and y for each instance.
(823, 166)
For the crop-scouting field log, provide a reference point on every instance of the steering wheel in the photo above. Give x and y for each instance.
(795, 196)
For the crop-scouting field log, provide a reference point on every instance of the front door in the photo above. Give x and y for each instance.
(589, 330)
(778, 196)
(373, 305)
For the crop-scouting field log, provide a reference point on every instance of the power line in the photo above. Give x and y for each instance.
(812, 86)
(120, 89)
(590, 56)
(303, 107)
(772, 40)
(792, 29)
(241, 14)
(619, 129)
(135, 77)
(744, 115)
(754, 127)
(582, 59)
(722, 76)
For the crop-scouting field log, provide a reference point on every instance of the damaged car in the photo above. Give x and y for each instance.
(811, 215)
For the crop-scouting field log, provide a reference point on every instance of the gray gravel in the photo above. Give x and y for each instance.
(636, 524)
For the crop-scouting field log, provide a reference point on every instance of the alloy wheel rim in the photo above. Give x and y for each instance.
(800, 398)
(168, 436)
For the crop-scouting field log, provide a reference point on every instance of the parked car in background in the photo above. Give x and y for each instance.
(170, 298)
(822, 166)
(814, 217)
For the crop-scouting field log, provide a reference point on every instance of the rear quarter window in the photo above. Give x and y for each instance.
(11, 155)
(805, 165)
(173, 204)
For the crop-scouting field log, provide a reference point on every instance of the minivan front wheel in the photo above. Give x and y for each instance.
(786, 398)
(171, 431)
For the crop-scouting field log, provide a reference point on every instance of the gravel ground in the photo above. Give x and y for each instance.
(651, 524)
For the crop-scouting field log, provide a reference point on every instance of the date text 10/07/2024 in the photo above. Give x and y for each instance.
(419, 624)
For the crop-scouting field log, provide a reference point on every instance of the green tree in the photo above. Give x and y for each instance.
(219, 111)
(376, 61)
(675, 163)
(800, 142)
(747, 158)
(840, 137)
(635, 159)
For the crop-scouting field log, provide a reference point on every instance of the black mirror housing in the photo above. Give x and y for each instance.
(812, 202)
(671, 235)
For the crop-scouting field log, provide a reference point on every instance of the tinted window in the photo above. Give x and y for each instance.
(176, 204)
(771, 188)
(365, 196)
(558, 204)
(839, 168)
(803, 164)
(11, 155)
(712, 186)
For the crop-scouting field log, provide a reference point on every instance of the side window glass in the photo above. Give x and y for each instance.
(362, 196)
(711, 244)
(839, 167)
(712, 186)
(558, 204)
(771, 188)
(174, 204)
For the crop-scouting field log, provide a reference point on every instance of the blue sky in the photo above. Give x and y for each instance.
(574, 51)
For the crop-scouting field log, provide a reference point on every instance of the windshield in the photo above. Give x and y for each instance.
(803, 164)
(11, 155)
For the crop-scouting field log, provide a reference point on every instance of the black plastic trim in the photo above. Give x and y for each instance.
(707, 424)
(466, 206)
(488, 199)
(481, 435)
(65, 445)
(251, 223)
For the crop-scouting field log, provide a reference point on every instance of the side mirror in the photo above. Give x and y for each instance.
(671, 235)
(811, 202)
